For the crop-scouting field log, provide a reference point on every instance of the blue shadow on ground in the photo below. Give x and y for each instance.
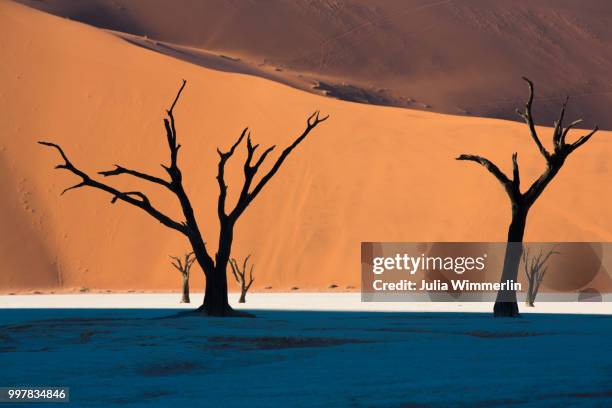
(288, 358)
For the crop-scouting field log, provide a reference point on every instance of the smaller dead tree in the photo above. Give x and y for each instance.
(535, 270)
(184, 266)
(240, 276)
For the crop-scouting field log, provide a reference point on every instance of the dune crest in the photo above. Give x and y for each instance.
(457, 57)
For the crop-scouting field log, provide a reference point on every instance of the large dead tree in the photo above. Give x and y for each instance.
(215, 269)
(184, 267)
(505, 304)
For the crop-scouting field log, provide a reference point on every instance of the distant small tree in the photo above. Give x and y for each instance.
(535, 270)
(240, 276)
(183, 266)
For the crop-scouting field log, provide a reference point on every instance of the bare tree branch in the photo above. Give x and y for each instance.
(528, 117)
(558, 128)
(566, 131)
(138, 194)
(183, 265)
(554, 161)
(74, 187)
(247, 197)
(122, 170)
(223, 158)
(235, 270)
(177, 263)
(489, 165)
(516, 177)
(582, 140)
(251, 279)
(262, 158)
(549, 253)
(538, 186)
(170, 126)
(178, 95)
(142, 203)
(244, 264)
(176, 184)
(511, 186)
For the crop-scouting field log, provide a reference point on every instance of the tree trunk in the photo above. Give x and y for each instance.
(505, 304)
(528, 301)
(215, 296)
(242, 296)
(530, 290)
(185, 298)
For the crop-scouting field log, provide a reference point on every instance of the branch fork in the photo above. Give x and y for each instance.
(554, 159)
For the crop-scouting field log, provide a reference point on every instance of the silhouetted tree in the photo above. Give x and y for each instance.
(535, 271)
(215, 270)
(505, 304)
(184, 266)
(241, 278)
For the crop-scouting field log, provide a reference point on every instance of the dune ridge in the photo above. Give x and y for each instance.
(458, 57)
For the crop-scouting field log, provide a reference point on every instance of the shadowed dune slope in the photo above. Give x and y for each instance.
(369, 173)
(459, 57)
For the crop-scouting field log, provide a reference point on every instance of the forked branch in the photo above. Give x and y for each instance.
(170, 127)
(528, 117)
(118, 170)
(511, 186)
(183, 265)
(240, 275)
(554, 160)
(251, 168)
(142, 201)
(189, 227)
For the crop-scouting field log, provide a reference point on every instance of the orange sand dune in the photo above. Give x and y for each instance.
(459, 57)
(369, 173)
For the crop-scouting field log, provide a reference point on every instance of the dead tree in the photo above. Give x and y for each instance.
(505, 304)
(184, 266)
(535, 271)
(215, 269)
(241, 278)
